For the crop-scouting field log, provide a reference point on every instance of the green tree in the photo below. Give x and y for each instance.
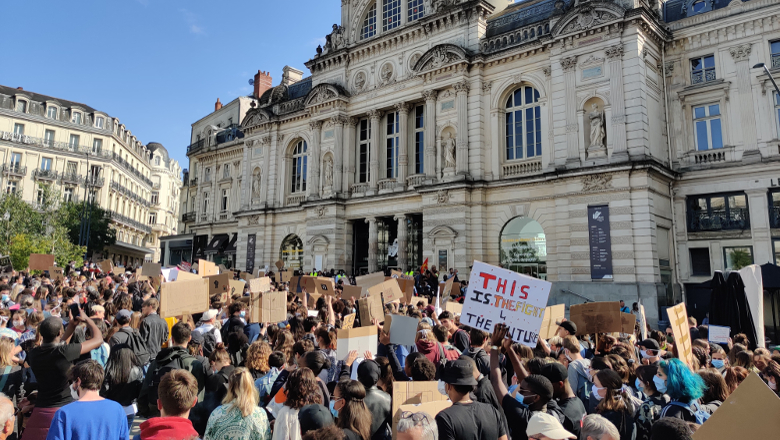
(101, 234)
(18, 217)
(740, 258)
(56, 242)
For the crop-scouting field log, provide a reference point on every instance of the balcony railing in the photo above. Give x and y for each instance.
(47, 143)
(204, 218)
(97, 182)
(703, 76)
(387, 184)
(129, 194)
(130, 168)
(295, 199)
(415, 181)
(194, 182)
(522, 168)
(719, 220)
(188, 217)
(119, 218)
(14, 169)
(44, 174)
(359, 188)
(223, 216)
(72, 177)
(195, 147)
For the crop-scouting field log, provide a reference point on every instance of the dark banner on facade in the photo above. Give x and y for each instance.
(600, 243)
(250, 252)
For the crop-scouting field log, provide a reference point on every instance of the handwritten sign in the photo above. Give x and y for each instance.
(719, 334)
(498, 295)
(56, 273)
(348, 322)
(389, 290)
(682, 333)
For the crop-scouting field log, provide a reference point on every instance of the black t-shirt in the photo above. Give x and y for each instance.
(50, 363)
(470, 421)
(460, 339)
(573, 411)
(518, 416)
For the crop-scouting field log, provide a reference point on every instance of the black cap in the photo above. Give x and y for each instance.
(368, 373)
(198, 338)
(650, 344)
(314, 417)
(569, 327)
(555, 372)
(459, 372)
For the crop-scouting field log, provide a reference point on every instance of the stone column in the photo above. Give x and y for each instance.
(276, 158)
(619, 145)
(338, 158)
(373, 244)
(747, 116)
(403, 135)
(375, 116)
(462, 147)
(430, 132)
(265, 171)
(314, 160)
(348, 152)
(245, 194)
(402, 240)
(569, 66)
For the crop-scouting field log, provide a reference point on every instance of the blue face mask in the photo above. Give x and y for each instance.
(333, 410)
(243, 313)
(660, 384)
(5, 298)
(718, 363)
(638, 384)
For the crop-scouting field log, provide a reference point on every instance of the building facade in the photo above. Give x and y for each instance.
(81, 152)
(588, 143)
(166, 192)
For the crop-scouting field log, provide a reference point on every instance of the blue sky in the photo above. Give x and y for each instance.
(157, 65)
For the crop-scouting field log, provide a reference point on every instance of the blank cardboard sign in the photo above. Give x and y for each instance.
(746, 414)
(406, 393)
(628, 322)
(259, 285)
(207, 268)
(596, 317)
(552, 315)
(184, 297)
(41, 261)
(370, 308)
(351, 292)
(151, 269)
(389, 290)
(361, 339)
(402, 329)
(106, 266)
(454, 307)
(371, 280)
(269, 307)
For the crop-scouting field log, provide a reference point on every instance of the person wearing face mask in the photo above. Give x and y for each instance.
(650, 351)
(683, 387)
(18, 320)
(772, 376)
(650, 409)
(615, 403)
(348, 407)
(720, 359)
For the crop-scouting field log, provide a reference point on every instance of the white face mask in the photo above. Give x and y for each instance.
(73, 393)
(772, 385)
(442, 388)
(18, 323)
(595, 390)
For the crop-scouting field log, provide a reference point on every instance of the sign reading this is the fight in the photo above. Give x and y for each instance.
(497, 295)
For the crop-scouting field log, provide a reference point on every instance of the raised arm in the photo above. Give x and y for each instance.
(499, 333)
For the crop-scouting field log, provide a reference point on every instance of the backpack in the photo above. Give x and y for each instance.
(698, 412)
(181, 361)
(137, 344)
(583, 388)
(209, 342)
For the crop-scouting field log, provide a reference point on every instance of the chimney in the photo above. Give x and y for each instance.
(263, 82)
(291, 75)
(217, 105)
(19, 88)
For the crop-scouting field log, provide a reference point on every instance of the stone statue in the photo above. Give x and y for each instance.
(328, 172)
(256, 185)
(449, 152)
(337, 37)
(596, 127)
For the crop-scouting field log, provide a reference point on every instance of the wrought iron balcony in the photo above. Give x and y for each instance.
(97, 182)
(50, 144)
(719, 220)
(130, 168)
(194, 182)
(44, 174)
(195, 147)
(155, 186)
(14, 169)
(127, 221)
(188, 217)
(72, 177)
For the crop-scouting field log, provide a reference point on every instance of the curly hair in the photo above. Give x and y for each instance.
(302, 389)
(257, 356)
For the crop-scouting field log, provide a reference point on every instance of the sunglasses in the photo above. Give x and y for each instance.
(417, 417)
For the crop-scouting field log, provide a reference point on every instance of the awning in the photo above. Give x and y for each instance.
(216, 244)
(231, 248)
(128, 248)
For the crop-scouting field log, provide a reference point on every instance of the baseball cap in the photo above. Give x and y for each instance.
(368, 373)
(555, 372)
(208, 315)
(314, 417)
(650, 344)
(124, 313)
(569, 326)
(547, 425)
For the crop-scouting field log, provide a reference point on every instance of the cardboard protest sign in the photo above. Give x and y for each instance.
(402, 329)
(268, 307)
(389, 290)
(348, 322)
(409, 393)
(279, 265)
(207, 268)
(370, 280)
(259, 285)
(719, 334)
(222, 268)
(236, 287)
(106, 266)
(552, 315)
(744, 414)
(41, 261)
(307, 282)
(285, 276)
(295, 285)
(56, 273)
(259, 273)
(452, 290)
(627, 322)
(499, 295)
(311, 303)
(150, 269)
(170, 273)
(351, 292)
(642, 322)
(245, 276)
(187, 276)
(419, 299)
(325, 286)
(6, 267)
(218, 284)
(118, 270)
(678, 317)
(430, 408)
(596, 317)
(361, 339)
(180, 297)
(370, 308)
(454, 307)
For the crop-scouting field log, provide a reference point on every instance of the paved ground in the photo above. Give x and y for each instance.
(136, 429)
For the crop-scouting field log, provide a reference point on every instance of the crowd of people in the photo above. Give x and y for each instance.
(86, 355)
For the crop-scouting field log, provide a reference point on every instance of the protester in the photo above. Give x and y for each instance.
(11, 377)
(7, 419)
(316, 417)
(596, 427)
(772, 376)
(378, 402)
(123, 380)
(715, 391)
(239, 417)
(615, 403)
(302, 390)
(91, 416)
(153, 328)
(671, 428)
(178, 393)
(683, 387)
(650, 409)
(543, 426)
(348, 406)
(417, 426)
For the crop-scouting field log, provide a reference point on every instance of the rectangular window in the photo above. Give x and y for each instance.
(776, 249)
(21, 106)
(99, 121)
(391, 14)
(703, 69)
(208, 175)
(19, 129)
(76, 118)
(40, 194)
(419, 139)
(16, 160)
(92, 195)
(416, 10)
(205, 203)
(97, 146)
(224, 200)
(48, 138)
(51, 112)
(735, 258)
(364, 153)
(68, 195)
(94, 171)
(10, 188)
(257, 152)
(71, 168)
(152, 218)
(75, 140)
(718, 212)
(46, 164)
(700, 262)
(393, 121)
(706, 120)
(155, 198)
(774, 48)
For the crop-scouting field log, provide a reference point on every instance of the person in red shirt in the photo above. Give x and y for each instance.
(177, 394)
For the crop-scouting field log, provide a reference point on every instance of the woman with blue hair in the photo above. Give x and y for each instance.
(685, 388)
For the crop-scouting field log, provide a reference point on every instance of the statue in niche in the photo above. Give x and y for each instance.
(256, 185)
(449, 145)
(328, 172)
(596, 117)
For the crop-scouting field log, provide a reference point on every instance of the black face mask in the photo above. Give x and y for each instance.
(669, 339)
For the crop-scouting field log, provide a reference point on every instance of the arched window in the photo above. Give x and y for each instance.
(299, 167)
(391, 14)
(291, 252)
(523, 247)
(523, 124)
(369, 23)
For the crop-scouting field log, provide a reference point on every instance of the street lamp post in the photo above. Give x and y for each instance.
(769, 74)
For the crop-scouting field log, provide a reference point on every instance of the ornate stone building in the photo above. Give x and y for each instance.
(166, 193)
(577, 141)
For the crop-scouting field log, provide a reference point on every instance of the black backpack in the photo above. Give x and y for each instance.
(209, 342)
(136, 343)
(182, 361)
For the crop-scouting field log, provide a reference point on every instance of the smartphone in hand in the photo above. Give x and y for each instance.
(75, 312)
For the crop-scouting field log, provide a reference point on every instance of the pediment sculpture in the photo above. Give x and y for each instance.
(440, 56)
